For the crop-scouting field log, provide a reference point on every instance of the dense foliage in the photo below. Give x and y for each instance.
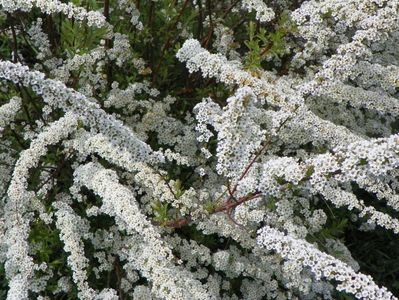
(198, 149)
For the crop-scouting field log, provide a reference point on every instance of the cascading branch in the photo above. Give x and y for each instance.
(198, 149)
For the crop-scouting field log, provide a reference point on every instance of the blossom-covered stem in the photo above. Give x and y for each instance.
(119, 202)
(231, 202)
(167, 184)
(71, 228)
(20, 266)
(8, 111)
(51, 6)
(299, 111)
(56, 94)
(322, 265)
(265, 146)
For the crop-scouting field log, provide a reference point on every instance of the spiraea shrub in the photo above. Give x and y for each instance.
(198, 149)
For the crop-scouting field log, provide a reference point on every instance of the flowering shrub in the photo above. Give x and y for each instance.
(178, 149)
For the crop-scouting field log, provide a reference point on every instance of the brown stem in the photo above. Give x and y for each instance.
(266, 49)
(230, 205)
(119, 276)
(24, 107)
(51, 33)
(206, 41)
(54, 174)
(106, 10)
(14, 41)
(227, 206)
(32, 101)
(18, 139)
(200, 20)
(108, 45)
(149, 45)
(168, 185)
(227, 11)
(267, 143)
(210, 33)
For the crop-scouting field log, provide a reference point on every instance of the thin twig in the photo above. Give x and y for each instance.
(205, 42)
(14, 41)
(108, 45)
(168, 42)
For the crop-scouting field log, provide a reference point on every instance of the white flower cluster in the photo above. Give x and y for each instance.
(267, 89)
(263, 13)
(239, 136)
(8, 111)
(228, 72)
(132, 10)
(224, 42)
(322, 265)
(93, 18)
(370, 28)
(120, 203)
(39, 39)
(140, 180)
(72, 230)
(56, 94)
(120, 52)
(20, 266)
(91, 65)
